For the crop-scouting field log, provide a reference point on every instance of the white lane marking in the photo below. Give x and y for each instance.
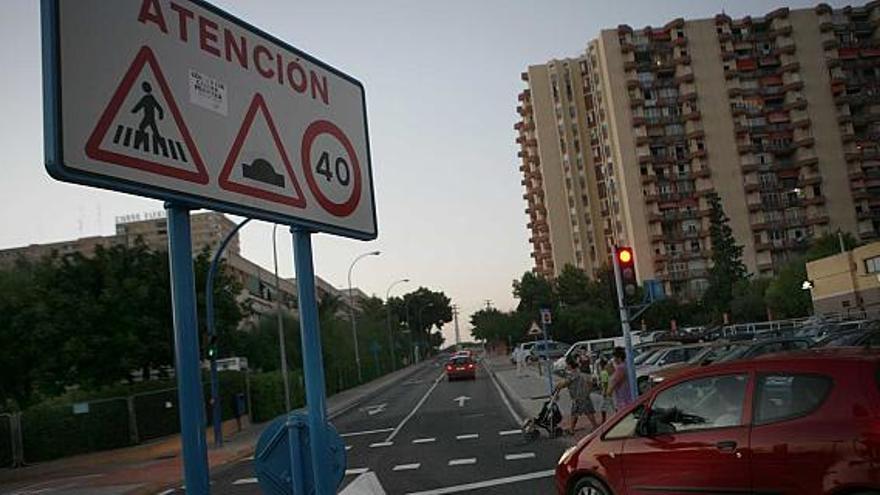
(245, 481)
(348, 447)
(407, 467)
(381, 444)
(415, 409)
(463, 462)
(424, 440)
(485, 484)
(469, 436)
(461, 399)
(517, 457)
(509, 432)
(166, 492)
(356, 471)
(516, 418)
(366, 432)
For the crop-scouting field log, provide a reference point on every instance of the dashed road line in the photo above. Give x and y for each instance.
(407, 467)
(424, 440)
(468, 436)
(245, 481)
(463, 462)
(509, 432)
(517, 457)
(488, 483)
(356, 471)
(366, 432)
(381, 444)
(348, 447)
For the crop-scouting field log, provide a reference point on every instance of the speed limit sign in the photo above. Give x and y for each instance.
(328, 154)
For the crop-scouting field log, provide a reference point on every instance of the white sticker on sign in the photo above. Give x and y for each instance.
(208, 92)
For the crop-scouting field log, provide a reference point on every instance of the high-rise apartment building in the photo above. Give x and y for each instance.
(555, 139)
(778, 115)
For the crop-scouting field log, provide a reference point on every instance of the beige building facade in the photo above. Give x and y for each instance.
(778, 115)
(847, 283)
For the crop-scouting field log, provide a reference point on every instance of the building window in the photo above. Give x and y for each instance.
(872, 265)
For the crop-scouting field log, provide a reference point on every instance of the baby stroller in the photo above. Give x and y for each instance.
(549, 420)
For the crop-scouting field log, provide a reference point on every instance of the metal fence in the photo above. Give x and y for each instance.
(53, 430)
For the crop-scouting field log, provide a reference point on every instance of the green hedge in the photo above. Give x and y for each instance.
(154, 418)
(50, 432)
(267, 394)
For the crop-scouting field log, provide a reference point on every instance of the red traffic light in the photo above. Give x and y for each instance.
(624, 255)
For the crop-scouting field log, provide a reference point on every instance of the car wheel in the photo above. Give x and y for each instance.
(589, 486)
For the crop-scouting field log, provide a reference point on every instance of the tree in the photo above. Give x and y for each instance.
(785, 295)
(829, 244)
(534, 292)
(727, 266)
(422, 310)
(573, 286)
(748, 302)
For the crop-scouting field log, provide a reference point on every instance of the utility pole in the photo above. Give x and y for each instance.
(457, 335)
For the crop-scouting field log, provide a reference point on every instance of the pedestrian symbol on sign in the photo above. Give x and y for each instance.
(150, 106)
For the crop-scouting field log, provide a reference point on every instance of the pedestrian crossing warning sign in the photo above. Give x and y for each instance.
(142, 126)
(258, 165)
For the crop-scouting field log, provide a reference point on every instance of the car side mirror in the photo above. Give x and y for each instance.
(647, 425)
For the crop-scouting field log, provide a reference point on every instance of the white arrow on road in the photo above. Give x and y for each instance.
(374, 409)
(461, 399)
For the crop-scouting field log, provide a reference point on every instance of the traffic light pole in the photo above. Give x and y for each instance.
(625, 326)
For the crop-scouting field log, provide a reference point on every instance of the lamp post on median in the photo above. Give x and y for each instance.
(357, 355)
(388, 322)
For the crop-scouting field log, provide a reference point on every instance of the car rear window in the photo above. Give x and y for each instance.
(461, 360)
(787, 396)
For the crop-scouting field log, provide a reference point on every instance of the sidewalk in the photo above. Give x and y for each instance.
(150, 468)
(528, 391)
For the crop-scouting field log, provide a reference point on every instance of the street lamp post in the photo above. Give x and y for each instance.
(388, 322)
(281, 344)
(216, 411)
(357, 355)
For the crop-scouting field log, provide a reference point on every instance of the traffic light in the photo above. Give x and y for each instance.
(212, 347)
(625, 260)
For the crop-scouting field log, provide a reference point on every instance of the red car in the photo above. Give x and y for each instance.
(461, 367)
(804, 423)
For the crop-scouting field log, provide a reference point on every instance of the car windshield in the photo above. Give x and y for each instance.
(656, 357)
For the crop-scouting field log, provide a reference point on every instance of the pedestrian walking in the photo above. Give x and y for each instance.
(605, 371)
(619, 381)
(579, 387)
(519, 355)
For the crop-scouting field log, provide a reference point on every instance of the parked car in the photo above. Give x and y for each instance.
(866, 337)
(707, 356)
(596, 348)
(761, 347)
(523, 348)
(549, 349)
(461, 367)
(802, 423)
(663, 358)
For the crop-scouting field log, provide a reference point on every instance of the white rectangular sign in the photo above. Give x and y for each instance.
(180, 101)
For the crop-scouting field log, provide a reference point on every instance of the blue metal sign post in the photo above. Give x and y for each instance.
(186, 345)
(313, 361)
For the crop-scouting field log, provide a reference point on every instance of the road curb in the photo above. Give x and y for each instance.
(508, 394)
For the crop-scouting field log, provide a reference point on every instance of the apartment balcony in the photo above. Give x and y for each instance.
(814, 201)
(682, 275)
(818, 220)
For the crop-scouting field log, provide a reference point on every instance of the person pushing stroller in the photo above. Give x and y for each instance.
(579, 386)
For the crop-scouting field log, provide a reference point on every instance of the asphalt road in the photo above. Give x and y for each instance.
(416, 438)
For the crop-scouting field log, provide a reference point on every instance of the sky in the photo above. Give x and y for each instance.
(441, 78)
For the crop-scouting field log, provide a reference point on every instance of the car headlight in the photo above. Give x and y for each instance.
(566, 456)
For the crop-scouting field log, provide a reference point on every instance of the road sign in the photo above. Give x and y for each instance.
(546, 316)
(535, 330)
(183, 102)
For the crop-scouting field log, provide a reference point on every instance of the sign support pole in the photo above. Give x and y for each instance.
(186, 351)
(313, 362)
(624, 324)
